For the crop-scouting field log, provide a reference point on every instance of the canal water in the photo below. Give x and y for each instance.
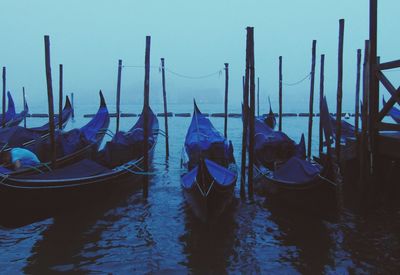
(127, 234)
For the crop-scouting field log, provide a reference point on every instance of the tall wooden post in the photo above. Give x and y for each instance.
(226, 100)
(373, 82)
(50, 99)
(165, 108)
(311, 107)
(60, 100)
(258, 96)
(245, 107)
(357, 103)
(118, 111)
(364, 157)
(3, 120)
(339, 91)
(280, 93)
(145, 114)
(250, 31)
(321, 98)
(73, 105)
(24, 102)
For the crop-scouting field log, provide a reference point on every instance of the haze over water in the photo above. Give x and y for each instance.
(126, 233)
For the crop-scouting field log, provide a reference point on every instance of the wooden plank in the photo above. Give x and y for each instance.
(390, 65)
(389, 144)
(389, 104)
(383, 126)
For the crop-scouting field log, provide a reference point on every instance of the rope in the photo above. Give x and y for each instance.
(297, 82)
(219, 72)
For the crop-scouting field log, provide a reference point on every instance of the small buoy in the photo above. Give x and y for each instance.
(347, 116)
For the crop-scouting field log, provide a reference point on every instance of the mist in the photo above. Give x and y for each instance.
(195, 38)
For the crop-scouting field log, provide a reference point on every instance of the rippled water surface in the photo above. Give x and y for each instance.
(126, 233)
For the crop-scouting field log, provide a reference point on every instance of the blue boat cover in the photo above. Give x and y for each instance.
(221, 175)
(272, 145)
(65, 116)
(10, 113)
(393, 112)
(127, 146)
(203, 139)
(297, 171)
(75, 139)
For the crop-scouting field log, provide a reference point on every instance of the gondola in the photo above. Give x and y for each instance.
(283, 174)
(209, 169)
(18, 136)
(393, 112)
(71, 146)
(11, 117)
(270, 119)
(121, 158)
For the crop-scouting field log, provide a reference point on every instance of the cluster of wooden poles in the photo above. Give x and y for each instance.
(249, 100)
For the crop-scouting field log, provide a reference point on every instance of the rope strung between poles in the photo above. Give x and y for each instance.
(297, 82)
(219, 72)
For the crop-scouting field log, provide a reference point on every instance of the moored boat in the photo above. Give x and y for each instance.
(210, 171)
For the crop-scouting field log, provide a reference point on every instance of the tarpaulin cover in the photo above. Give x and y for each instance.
(65, 116)
(221, 175)
(393, 112)
(272, 145)
(83, 168)
(73, 140)
(301, 148)
(127, 146)
(296, 170)
(203, 139)
(10, 113)
(347, 130)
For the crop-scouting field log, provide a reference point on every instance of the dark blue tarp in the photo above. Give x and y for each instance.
(126, 146)
(271, 145)
(202, 139)
(220, 174)
(297, 170)
(10, 113)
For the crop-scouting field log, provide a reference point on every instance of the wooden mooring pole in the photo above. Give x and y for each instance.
(24, 102)
(245, 107)
(3, 120)
(145, 115)
(280, 93)
(373, 84)
(363, 150)
(60, 99)
(73, 105)
(357, 103)
(321, 98)
(50, 99)
(339, 91)
(165, 108)
(250, 31)
(118, 103)
(311, 106)
(226, 100)
(258, 96)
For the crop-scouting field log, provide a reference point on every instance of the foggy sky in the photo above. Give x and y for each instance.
(195, 38)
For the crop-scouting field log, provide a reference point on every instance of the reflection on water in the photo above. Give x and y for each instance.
(124, 233)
